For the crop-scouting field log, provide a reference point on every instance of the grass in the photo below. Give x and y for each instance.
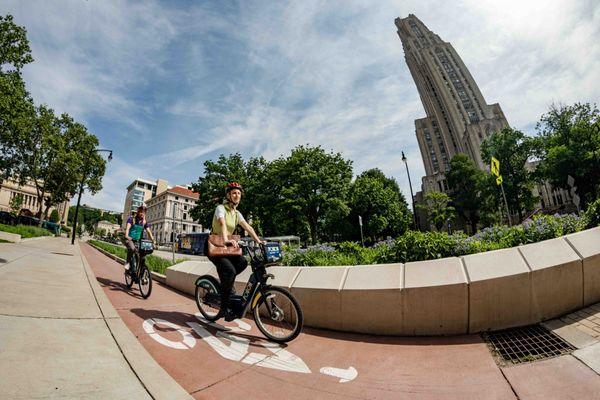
(4, 241)
(25, 231)
(154, 263)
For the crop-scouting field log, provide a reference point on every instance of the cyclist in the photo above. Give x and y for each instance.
(225, 220)
(134, 230)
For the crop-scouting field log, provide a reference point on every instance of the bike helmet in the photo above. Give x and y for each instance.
(143, 207)
(231, 186)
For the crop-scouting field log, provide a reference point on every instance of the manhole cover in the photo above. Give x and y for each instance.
(526, 344)
(62, 254)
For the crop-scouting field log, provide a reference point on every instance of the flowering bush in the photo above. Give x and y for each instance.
(418, 246)
(592, 214)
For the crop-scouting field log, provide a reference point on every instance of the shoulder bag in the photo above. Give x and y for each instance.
(217, 248)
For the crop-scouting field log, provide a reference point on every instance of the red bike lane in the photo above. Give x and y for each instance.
(231, 360)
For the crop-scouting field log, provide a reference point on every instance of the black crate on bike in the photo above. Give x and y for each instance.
(272, 253)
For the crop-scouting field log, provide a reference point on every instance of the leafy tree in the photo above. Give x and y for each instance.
(313, 184)
(438, 208)
(513, 149)
(16, 105)
(15, 204)
(568, 143)
(54, 217)
(378, 200)
(465, 181)
(217, 174)
(14, 46)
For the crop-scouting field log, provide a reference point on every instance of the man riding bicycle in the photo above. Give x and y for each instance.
(134, 230)
(225, 220)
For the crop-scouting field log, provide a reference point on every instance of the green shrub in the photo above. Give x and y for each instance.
(418, 246)
(154, 263)
(592, 214)
(25, 231)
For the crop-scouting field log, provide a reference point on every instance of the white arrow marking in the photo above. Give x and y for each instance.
(345, 375)
(235, 351)
(188, 340)
(282, 359)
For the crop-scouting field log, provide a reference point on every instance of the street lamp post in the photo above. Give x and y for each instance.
(412, 197)
(83, 176)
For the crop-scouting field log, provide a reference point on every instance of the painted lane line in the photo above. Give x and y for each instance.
(345, 375)
(234, 351)
(188, 341)
(281, 359)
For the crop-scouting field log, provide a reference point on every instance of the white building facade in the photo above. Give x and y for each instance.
(169, 214)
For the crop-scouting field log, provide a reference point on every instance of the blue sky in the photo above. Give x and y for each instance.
(169, 84)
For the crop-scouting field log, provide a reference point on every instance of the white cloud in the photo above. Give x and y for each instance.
(260, 77)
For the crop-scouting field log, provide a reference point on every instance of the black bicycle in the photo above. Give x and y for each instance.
(138, 272)
(276, 311)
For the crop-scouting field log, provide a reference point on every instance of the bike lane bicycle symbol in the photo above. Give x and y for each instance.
(235, 348)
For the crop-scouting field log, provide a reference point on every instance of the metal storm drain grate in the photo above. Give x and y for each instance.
(526, 344)
(61, 254)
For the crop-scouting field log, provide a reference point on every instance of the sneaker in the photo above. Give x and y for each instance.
(126, 266)
(230, 316)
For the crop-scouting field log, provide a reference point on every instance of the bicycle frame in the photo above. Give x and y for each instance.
(258, 280)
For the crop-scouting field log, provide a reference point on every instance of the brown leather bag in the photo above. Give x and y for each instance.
(217, 248)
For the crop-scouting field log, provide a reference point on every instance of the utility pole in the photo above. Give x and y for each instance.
(362, 240)
(412, 197)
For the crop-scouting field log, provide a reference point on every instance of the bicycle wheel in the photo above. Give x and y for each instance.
(278, 315)
(128, 279)
(208, 297)
(145, 282)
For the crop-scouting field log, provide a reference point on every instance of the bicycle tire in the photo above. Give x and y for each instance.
(128, 279)
(295, 306)
(203, 285)
(145, 279)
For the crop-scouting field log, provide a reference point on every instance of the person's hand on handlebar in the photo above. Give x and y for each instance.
(233, 243)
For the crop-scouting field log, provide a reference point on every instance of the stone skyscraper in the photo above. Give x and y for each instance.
(458, 117)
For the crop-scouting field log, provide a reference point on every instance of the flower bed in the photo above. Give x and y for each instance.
(154, 263)
(419, 246)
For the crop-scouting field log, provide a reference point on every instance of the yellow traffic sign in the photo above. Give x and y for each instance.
(495, 167)
(499, 180)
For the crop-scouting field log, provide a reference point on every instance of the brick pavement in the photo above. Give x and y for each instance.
(587, 320)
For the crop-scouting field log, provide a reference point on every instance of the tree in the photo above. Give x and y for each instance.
(568, 143)
(217, 174)
(54, 217)
(513, 149)
(313, 184)
(465, 181)
(438, 208)
(378, 200)
(14, 46)
(15, 204)
(16, 105)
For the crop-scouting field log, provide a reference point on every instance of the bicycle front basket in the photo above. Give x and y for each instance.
(146, 246)
(272, 253)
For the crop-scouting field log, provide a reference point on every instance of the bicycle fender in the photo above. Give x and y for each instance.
(210, 278)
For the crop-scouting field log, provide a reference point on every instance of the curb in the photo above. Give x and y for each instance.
(157, 382)
(155, 275)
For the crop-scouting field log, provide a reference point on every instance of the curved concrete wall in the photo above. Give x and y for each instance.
(486, 291)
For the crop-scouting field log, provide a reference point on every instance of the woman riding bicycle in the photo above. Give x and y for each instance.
(134, 230)
(225, 220)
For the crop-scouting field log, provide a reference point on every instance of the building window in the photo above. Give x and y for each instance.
(184, 216)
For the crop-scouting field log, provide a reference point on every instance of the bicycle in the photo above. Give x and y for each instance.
(276, 311)
(141, 275)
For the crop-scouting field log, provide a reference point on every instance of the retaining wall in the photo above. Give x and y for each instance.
(486, 291)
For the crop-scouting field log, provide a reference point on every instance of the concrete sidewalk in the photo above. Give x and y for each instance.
(60, 337)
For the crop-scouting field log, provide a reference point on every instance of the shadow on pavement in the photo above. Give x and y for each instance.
(181, 319)
(400, 340)
(112, 285)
